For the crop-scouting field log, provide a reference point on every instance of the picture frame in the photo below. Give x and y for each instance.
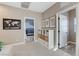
(47, 23)
(11, 24)
(52, 21)
(43, 23)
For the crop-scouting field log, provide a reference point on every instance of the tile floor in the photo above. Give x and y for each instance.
(70, 49)
(35, 49)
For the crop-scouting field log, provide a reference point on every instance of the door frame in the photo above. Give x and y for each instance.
(59, 31)
(25, 27)
(66, 10)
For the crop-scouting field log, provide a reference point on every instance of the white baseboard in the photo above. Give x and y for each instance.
(14, 44)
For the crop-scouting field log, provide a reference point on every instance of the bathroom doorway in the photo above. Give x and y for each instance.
(67, 31)
(29, 29)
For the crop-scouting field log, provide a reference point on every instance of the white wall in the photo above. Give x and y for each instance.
(14, 36)
(72, 33)
(77, 32)
(64, 4)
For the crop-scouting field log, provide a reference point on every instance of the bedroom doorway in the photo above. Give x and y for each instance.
(67, 31)
(29, 29)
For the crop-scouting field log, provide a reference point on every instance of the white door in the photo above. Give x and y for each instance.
(29, 30)
(63, 31)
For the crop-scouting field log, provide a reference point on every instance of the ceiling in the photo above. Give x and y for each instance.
(34, 6)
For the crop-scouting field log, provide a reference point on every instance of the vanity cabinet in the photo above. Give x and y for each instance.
(47, 39)
(46, 35)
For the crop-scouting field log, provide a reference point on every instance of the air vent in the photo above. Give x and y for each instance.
(25, 4)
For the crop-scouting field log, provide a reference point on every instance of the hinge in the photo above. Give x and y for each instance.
(58, 18)
(58, 44)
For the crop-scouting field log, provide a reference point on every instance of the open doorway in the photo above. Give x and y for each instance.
(29, 29)
(67, 31)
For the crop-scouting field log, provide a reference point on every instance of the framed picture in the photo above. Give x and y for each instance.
(11, 24)
(46, 22)
(53, 21)
(43, 23)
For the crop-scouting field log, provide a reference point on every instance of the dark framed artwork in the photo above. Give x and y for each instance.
(11, 24)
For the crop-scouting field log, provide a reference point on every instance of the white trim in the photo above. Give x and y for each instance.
(24, 26)
(14, 44)
(56, 47)
(77, 30)
(68, 9)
